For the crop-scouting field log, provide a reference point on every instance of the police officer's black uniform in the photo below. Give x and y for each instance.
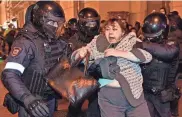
(175, 26)
(33, 53)
(88, 27)
(157, 81)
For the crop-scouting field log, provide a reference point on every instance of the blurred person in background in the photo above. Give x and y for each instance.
(138, 28)
(70, 29)
(10, 37)
(72, 26)
(102, 23)
(2, 44)
(164, 11)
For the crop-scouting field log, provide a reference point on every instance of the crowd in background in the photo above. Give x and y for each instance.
(70, 28)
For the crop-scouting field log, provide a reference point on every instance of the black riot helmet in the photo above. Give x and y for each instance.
(72, 24)
(28, 14)
(175, 21)
(154, 26)
(89, 21)
(48, 16)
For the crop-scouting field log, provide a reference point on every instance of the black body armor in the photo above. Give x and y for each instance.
(155, 75)
(48, 55)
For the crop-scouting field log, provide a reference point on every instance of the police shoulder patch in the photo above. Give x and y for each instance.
(16, 51)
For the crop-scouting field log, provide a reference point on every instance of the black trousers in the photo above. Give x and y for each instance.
(92, 111)
(156, 107)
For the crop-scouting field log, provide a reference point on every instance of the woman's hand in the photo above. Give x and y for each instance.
(83, 51)
(80, 53)
(111, 52)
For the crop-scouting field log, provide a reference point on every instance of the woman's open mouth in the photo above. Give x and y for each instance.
(111, 38)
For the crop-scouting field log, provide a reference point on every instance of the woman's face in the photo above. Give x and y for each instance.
(113, 32)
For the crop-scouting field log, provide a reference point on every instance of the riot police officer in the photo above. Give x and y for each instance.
(175, 26)
(88, 27)
(72, 26)
(33, 53)
(157, 81)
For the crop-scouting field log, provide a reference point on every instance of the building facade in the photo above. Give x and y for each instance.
(130, 10)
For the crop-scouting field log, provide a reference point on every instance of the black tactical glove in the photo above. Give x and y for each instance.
(109, 67)
(94, 69)
(36, 107)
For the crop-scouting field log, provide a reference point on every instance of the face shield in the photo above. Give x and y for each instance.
(52, 25)
(73, 24)
(90, 27)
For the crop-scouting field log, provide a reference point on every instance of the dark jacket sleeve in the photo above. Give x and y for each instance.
(163, 52)
(18, 59)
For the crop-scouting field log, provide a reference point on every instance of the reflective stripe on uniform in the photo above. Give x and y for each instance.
(16, 66)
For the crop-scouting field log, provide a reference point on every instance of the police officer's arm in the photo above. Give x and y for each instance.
(19, 58)
(135, 55)
(81, 52)
(164, 52)
(142, 55)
